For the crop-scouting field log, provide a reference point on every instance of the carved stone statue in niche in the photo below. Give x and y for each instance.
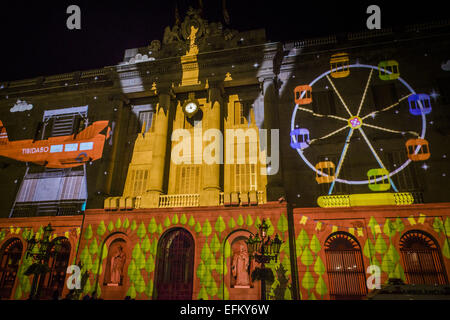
(116, 264)
(240, 267)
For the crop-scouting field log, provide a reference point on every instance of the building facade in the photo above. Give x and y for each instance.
(155, 172)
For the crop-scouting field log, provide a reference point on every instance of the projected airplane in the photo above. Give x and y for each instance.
(58, 152)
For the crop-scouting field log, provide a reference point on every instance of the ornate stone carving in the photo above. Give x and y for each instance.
(154, 46)
(171, 36)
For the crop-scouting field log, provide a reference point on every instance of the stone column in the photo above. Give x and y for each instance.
(156, 178)
(274, 188)
(211, 172)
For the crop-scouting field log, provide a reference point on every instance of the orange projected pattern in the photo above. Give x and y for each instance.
(328, 169)
(423, 152)
(58, 152)
(306, 90)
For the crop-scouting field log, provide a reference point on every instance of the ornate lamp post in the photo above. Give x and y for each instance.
(263, 249)
(39, 250)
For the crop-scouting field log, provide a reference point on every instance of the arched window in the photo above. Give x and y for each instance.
(10, 253)
(59, 261)
(422, 259)
(345, 267)
(175, 266)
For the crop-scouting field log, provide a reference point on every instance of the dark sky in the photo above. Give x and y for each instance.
(35, 40)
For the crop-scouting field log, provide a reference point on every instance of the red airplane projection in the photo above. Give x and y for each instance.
(58, 152)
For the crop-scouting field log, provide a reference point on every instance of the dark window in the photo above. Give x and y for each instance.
(345, 267)
(9, 264)
(422, 259)
(406, 179)
(175, 266)
(384, 95)
(241, 112)
(323, 102)
(145, 118)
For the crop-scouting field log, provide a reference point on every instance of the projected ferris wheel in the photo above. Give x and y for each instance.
(358, 119)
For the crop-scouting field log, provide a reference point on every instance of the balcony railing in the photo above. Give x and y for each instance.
(179, 200)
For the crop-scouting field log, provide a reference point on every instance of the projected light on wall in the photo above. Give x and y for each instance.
(359, 118)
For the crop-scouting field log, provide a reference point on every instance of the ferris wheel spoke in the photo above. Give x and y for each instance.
(328, 135)
(339, 95)
(365, 92)
(380, 163)
(372, 114)
(390, 130)
(341, 159)
(321, 115)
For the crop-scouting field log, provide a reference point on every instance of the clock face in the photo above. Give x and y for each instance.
(191, 108)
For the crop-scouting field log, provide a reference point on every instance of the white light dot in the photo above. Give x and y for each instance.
(66, 84)
(256, 65)
(95, 98)
(298, 195)
(444, 156)
(425, 166)
(96, 78)
(431, 122)
(381, 149)
(444, 175)
(396, 111)
(15, 181)
(105, 173)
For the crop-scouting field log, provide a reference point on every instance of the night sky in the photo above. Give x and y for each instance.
(36, 42)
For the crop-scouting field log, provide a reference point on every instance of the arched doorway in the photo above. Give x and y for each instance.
(175, 266)
(345, 267)
(422, 259)
(54, 280)
(10, 253)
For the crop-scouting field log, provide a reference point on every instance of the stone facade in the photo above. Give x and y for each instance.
(138, 197)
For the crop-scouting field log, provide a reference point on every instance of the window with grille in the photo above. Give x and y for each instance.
(323, 102)
(244, 177)
(339, 188)
(11, 254)
(406, 179)
(241, 112)
(145, 118)
(345, 267)
(384, 95)
(187, 180)
(422, 261)
(175, 266)
(139, 181)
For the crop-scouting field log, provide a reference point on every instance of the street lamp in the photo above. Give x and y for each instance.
(39, 250)
(263, 249)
